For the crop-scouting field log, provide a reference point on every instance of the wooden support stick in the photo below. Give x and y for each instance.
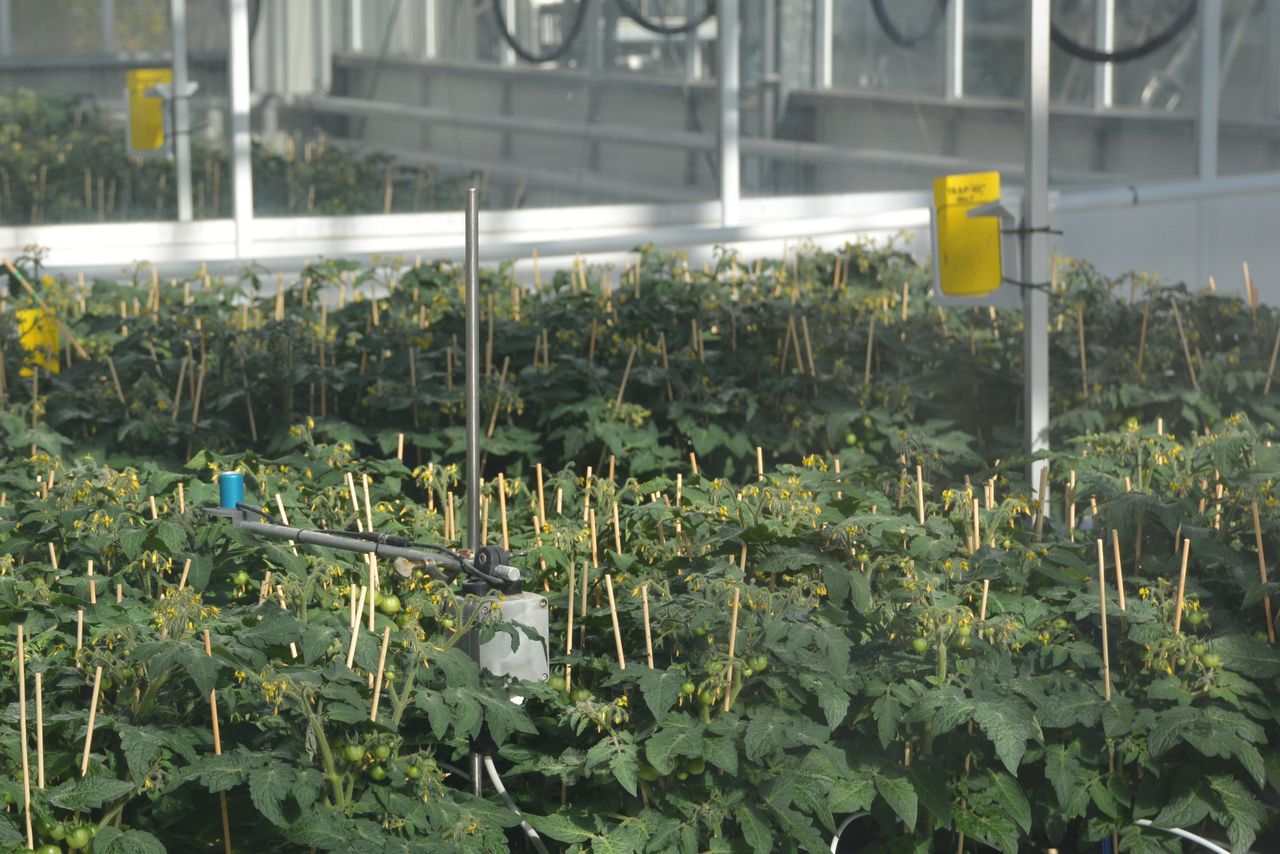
(1084, 362)
(626, 374)
(977, 526)
(1186, 350)
(1142, 337)
(1271, 368)
(502, 509)
(871, 340)
(666, 364)
(79, 628)
(182, 499)
(93, 714)
(217, 751)
(613, 615)
(568, 633)
(1042, 499)
(808, 346)
(1115, 553)
(648, 632)
(355, 628)
(39, 730)
(1182, 586)
(1262, 575)
(497, 403)
(22, 718)
(986, 590)
(759, 463)
(186, 570)
(919, 494)
(1102, 601)
(377, 679)
(733, 642)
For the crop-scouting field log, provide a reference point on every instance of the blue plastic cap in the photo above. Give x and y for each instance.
(230, 489)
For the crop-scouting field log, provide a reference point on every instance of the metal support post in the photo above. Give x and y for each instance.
(241, 149)
(1035, 243)
(430, 37)
(506, 55)
(181, 108)
(107, 25)
(1104, 39)
(322, 50)
(1207, 121)
(473, 368)
(355, 25)
(955, 50)
(727, 81)
(6, 27)
(824, 43)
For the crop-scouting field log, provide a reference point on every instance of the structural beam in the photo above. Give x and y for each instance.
(241, 144)
(181, 104)
(1035, 241)
(728, 87)
(1104, 39)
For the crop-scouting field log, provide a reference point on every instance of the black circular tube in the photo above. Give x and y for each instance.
(1065, 43)
(629, 9)
(552, 55)
(896, 35)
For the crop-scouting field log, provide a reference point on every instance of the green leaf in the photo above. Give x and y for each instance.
(755, 830)
(141, 747)
(1010, 796)
(619, 753)
(661, 689)
(269, 786)
(559, 827)
(173, 538)
(722, 753)
(1061, 769)
(1008, 722)
(1240, 811)
(900, 795)
(679, 736)
(505, 717)
(88, 793)
(113, 840)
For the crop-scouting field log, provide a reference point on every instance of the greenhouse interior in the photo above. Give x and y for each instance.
(614, 426)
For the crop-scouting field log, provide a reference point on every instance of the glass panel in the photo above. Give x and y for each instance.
(373, 107)
(63, 112)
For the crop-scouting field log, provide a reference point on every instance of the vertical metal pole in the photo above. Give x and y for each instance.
(1104, 39)
(181, 108)
(430, 40)
(955, 50)
(6, 27)
(473, 368)
(1035, 244)
(730, 124)
(824, 43)
(241, 163)
(107, 26)
(506, 55)
(1207, 122)
(322, 50)
(355, 25)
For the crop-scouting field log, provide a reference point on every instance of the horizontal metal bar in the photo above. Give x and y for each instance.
(324, 539)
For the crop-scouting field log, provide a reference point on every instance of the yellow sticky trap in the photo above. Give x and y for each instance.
(968, 249)
(146, 112)
(38, 335)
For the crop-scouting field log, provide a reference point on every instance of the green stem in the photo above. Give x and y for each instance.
(326, 754)
(942, 662)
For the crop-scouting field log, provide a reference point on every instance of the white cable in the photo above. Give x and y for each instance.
(511, 805)
(1185, 834)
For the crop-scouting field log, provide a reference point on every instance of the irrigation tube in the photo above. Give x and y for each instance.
(1186, 834)
(534, 838)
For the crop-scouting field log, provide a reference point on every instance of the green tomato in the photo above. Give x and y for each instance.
(1061, 624)
(448, 623)
(706, 699)
(581, 695)
(1198, 648)
(241, 578)
(1181, 662)
(697, 766)
(647, 772)
(920, 644)
(382, 752)
(963, 630)
(682, 775)
(413, 772)
(79, 838)
(759, 663)
(390, 605)
(403, 620)
(747, 673)
(58, 832)
(1211, 660)
(688, 689)
(49, 848)
(353, 752)
(377, 773)
(963, 642)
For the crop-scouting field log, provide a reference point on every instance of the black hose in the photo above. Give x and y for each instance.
(1064, 42)
(629, 9)
(896, 35)
(500, 20)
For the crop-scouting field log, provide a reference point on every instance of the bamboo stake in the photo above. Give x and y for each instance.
(919, 494)
(22, 715)
(93, 585)
(871, 338)
(759, 462)
(79, 628)
(182, 500)
(1182, 586)
(568, 633)
(1249, 290)
(733, 641)
(1262, 575)
(355, 628)
(39, 730)
(1271, 368)
(666, 364)
(217, 751)
(1142, 336)
(808, 346)
(502, 509)
(1070, 498)
(582, 607)
(1102, 601)
(284, 606)
(400, 447)
(693, 463)
(986, 589)
(1084, 364)
(595, 550)
(93, 714)
(119, 593)
(613, 615)
(1115, 550)
(977, 526)
(648, 634)
(626, 374)
(377, 680)
(1186, 350)
(186, 569)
